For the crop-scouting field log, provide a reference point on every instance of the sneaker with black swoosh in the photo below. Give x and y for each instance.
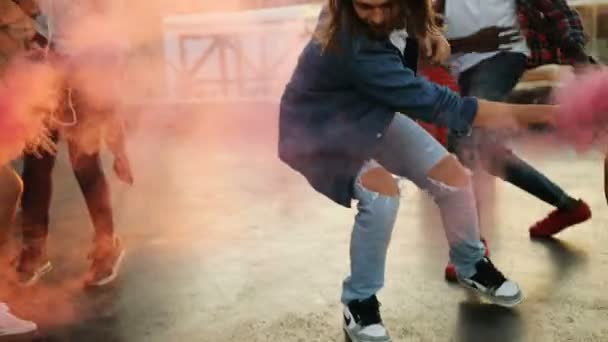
(491, 284)
(362, 321)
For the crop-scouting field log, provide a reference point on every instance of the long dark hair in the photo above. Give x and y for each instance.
(418, 16)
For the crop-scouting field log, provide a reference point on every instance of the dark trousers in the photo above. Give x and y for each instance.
(493, 79)
(36, 199)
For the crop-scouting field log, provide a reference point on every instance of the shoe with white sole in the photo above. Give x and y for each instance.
(362, 321)
(492, 285)
(10, 325)
(106, 259)
(32, 264)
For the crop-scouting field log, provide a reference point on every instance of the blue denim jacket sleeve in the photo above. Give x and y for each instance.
(379, 73)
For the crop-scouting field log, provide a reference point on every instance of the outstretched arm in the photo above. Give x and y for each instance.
(380, 74)
(499, 114)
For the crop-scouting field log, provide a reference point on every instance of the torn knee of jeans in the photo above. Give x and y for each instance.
(450, 173)
(380, 181)
(443, 186)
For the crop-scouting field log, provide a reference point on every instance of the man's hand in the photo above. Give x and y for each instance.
(122, 168)
(488, 39)
(435, 48)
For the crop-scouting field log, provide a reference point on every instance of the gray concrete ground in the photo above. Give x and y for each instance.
(227, 244)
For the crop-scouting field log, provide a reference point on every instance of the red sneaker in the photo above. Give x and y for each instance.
(560, 219)
(450, 269)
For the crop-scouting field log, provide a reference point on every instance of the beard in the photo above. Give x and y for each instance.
(380, 32)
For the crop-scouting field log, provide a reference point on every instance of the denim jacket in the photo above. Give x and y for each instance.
(339, 102)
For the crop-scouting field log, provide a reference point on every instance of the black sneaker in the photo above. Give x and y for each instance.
(31, 264)
(362, 321)
(106, 259)
(492, 285)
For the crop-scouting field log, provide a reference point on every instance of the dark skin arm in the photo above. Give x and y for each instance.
(488, 39)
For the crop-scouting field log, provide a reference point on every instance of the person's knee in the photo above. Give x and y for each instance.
(450, 172)
(380, 181)
(379, 199)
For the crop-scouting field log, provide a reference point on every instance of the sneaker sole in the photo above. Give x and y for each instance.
(492, 299)
(6, 334)
(39, 274)
(349, 338)
(113, 275)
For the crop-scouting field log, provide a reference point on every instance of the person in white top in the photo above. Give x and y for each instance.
(81, 41)
(489, 56)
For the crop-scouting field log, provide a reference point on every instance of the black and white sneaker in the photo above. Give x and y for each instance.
(362, 321)
(492, 285)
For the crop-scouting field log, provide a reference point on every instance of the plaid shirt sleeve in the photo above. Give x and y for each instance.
(566, 22)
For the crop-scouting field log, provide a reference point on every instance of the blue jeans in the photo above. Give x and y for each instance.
(407, 150)
(493, 79)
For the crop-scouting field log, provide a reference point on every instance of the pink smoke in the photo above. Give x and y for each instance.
(29, 92)
(582, 116)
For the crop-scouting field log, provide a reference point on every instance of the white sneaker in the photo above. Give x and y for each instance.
(491, 284)
(362, 321)
(13, 326)
(106, 259)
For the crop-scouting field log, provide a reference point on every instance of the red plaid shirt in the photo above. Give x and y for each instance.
(553, 30)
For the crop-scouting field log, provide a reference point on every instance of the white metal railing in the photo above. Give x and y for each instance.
(245, 55)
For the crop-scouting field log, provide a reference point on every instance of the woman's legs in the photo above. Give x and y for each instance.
(409, 151)
(378, 202)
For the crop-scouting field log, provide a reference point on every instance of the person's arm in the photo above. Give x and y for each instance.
(498, 114)
(379, 74)
(488, 39)
(485, 40)
(463, 45)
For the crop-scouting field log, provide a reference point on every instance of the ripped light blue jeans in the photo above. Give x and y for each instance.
(407, 150)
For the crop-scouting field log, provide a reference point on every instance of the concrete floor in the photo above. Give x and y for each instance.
(227, 244)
